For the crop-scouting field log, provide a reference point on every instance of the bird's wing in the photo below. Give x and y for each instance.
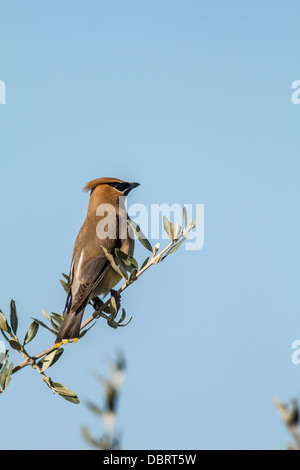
(86, 278)
(87, 270)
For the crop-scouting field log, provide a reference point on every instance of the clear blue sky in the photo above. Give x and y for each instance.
(192, 100)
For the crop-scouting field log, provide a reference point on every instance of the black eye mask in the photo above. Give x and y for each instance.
(120, 186)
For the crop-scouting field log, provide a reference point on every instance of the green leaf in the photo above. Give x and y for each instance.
(44, 326)
(74, 400)
(123, 316)
(32, 331)
(113, 307)
(169, 228)
(50, 359)
(3, 322)
(3, 362)
(132, 275)
(83, 332)
(140, 236)
(121, 254)
(173, 248)
(166, 225)
(4, 335)
(63, 390)
(13, 316)
(46, 315)
(127, 259)
(14, 344)
(65, 285)
(65, 276)
(196, 218)
(144, 263)
(117, 267)
(172, 231)
(54, 325)
(184, 217)
(3, 373)
(8, 375)
(177, 230)
(58, 318)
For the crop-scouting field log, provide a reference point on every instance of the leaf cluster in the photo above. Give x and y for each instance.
(9, 332)
(128, 269)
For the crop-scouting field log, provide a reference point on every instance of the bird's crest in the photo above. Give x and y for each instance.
(98, 181)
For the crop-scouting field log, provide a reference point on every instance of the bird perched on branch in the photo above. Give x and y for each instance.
(91, 274)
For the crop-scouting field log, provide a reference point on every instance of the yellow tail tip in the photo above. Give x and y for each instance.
(65, 341)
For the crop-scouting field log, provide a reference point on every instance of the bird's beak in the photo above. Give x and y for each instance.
(134, 185)
(130, 187)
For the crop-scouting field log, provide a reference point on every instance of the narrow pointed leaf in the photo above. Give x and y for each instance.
(3, 375)
(173, 249)
(121, 254)
(44, 326)
(144, 263)
(140, 236)
(54, 325)
(127, 259)
(64, 392)
(4, 335)
(132, 275)
(50, 359)
(83, 332)
(196, 218)
(13, 317)
(65, 285)
(166, 225)
(74, 400)
(32, 331)
(184, 217)
(14, 344)
(46, 315)
(3, 359)
(58, 318)
(113, 307)
(3, 323)
(62, 389)
(177, 230)
(117, 267)
(172, 230)
(8, 375)
(123, 316)
(3, 372)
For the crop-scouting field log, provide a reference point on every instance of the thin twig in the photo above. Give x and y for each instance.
(156, 258)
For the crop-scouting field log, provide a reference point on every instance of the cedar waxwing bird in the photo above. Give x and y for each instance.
(91, 273)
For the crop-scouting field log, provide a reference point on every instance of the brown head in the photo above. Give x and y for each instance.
(107, 190)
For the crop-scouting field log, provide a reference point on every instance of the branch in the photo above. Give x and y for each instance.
(127, 267)
(290, 416)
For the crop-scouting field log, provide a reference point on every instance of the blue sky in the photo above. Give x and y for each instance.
(193, 101)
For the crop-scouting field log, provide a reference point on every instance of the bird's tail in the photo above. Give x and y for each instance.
(70, 327)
